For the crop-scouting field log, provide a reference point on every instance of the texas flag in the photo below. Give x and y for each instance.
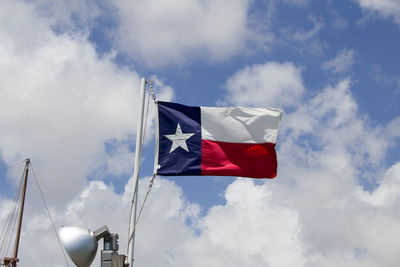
(218, 141)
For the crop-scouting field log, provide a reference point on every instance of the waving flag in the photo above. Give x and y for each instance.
(228, 141)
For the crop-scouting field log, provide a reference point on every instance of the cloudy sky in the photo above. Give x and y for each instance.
(69, 84)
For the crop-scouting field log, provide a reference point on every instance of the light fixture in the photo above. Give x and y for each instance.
(81, 246)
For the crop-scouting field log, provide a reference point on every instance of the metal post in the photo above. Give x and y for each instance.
(138, 152)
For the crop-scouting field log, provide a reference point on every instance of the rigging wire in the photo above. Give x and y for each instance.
(9, 230)
(48, 213)
(142, 206)
(6, 234)
(14, 224)
(145, 198)
(5, 231)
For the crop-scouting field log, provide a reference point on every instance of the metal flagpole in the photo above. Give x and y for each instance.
(138, 151)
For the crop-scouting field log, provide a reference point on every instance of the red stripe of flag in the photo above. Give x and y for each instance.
(238, 159)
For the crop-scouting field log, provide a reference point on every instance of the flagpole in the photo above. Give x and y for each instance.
(131, 240)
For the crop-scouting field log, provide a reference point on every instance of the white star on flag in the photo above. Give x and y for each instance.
(179, 139)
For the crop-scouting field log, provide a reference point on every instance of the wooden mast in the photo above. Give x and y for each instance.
(13, 261)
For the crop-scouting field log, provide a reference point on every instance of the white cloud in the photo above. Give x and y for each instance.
(61, 102)
(158, 33)
(307, 38)
(393, 128)
(271, 224)
(301, 35)
(383, 8)
(387, 195)
(260, 232)
(329, 117)
(271, 84)
(342, 63)
(315, 213)
(160, 230)
(326, 149)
